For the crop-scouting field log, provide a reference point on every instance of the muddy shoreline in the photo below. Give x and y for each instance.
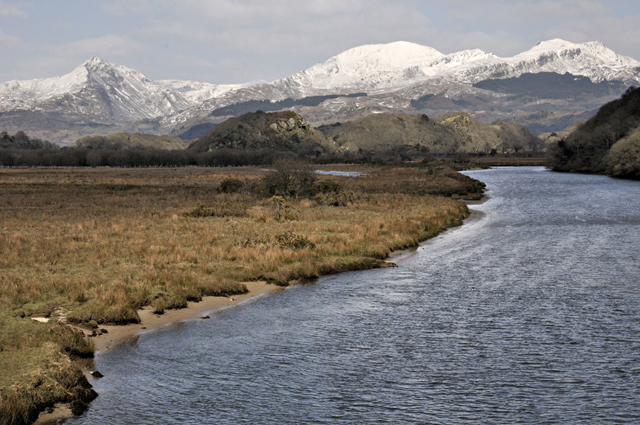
(150, 322)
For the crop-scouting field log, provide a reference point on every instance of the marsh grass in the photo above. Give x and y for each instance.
(93, 246)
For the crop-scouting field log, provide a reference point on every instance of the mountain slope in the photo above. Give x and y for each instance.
(96, 90)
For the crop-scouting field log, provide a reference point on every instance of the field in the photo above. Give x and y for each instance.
(92, 246)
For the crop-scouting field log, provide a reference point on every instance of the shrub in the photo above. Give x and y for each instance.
(290, 178)
(292, 240)
(340, 199)
(224, 209)
(282, 210)
(231, 186)
(327, 186)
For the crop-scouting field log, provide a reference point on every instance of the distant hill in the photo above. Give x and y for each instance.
(20, 140)
(556, 136)
(281, 131)
(196, 131)
(607, 143)
(452, 133)
(124, 141)
(549, 85)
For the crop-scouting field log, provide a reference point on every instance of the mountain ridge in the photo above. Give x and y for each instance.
(100, 93)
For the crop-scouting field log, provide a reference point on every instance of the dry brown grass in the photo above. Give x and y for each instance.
(95, 245)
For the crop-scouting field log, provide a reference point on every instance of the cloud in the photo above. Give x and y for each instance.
(619, 34)
(527, 22)
(9, 41)
(109, 46)
(61, 59)
(525, 12)
(500, 43)
(287, 29)
(9, 10)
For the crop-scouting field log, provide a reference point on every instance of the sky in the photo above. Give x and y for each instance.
(223, 41)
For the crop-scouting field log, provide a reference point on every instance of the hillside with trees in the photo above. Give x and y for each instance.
(606, 144)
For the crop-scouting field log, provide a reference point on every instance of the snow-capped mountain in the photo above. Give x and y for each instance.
(593, 60)
(99, 92)
(380, 67)
(197, 92)
(390, 68)
(98, 89)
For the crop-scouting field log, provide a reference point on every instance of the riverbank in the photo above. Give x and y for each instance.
(150, 322)
(100, 247)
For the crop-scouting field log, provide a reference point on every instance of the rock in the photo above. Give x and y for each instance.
(96, 374)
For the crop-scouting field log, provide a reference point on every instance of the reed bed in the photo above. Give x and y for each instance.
(93, 246)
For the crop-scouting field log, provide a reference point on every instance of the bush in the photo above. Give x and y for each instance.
(231, 186)
(290, 178)
(327, 186)
(292, 240)
(339, 199)
(282, 210)
(224, 209)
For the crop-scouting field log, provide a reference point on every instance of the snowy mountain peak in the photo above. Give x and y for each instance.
(593, 60)
(96, 88)
(547, 47)
(94, 62)
(554, 43)
(365, 68)
(402, 54)
(97, 65)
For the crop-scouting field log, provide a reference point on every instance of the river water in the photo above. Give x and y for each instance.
(529, 313)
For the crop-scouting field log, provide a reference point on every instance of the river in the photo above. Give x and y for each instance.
(529, 313)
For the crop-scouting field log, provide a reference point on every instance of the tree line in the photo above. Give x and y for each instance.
(77, 157)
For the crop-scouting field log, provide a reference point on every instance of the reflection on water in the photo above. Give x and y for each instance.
(530, 314)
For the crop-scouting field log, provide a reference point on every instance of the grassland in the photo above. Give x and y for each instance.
(93, 246)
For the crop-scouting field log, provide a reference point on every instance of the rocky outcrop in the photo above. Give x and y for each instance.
(283, 131)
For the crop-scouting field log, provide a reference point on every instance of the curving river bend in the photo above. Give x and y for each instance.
(529, 313)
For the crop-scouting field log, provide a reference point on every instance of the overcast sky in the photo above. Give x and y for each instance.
(223, 41)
